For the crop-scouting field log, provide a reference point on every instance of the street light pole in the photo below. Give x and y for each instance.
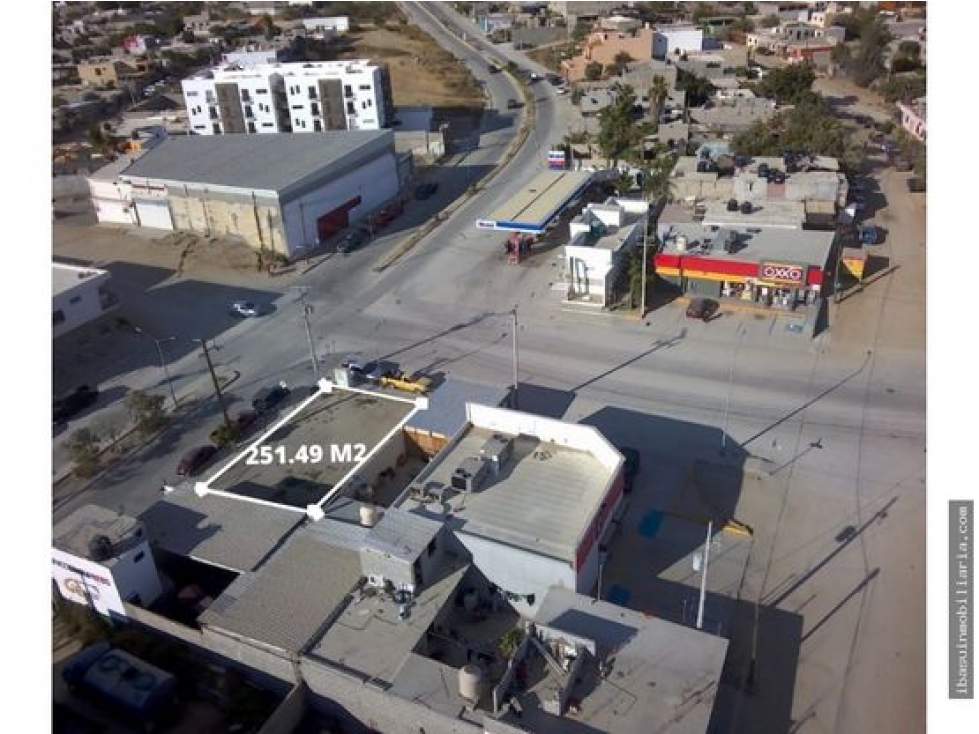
(166, 371)
(214, 379)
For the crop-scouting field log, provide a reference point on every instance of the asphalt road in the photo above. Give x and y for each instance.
(840, 422)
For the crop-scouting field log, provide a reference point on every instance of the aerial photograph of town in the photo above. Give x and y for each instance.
(493, 367)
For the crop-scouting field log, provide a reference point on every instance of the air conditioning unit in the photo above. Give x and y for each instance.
(468, 477)
(496, 452)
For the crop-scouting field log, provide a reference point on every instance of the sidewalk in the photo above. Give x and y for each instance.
(65, 485)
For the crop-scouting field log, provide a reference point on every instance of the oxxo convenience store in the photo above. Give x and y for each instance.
(783, 269)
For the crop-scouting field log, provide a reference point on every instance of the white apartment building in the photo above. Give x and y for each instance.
(295, 97)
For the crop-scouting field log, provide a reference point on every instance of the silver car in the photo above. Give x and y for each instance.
(244, 309)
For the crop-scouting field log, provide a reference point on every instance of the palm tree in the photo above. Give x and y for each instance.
(658, 92)
(620, 63)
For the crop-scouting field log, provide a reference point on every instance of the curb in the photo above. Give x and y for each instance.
(515, 145)
(66, 473)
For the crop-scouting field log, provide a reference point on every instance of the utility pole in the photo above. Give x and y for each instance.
(307, 310)
(214, 379)
(516, 364)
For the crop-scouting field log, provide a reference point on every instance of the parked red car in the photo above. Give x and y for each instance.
(702, 308)
(194, 460)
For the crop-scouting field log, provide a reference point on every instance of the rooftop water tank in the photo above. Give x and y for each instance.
(368, 516)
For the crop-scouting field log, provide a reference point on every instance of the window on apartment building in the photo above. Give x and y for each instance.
(261, 91)
(347, 90)
(317, 126)
(192, 94)
(248, 111)
(312, 91)
(98, 71)
(216, 128)
(75, 299)
(251, 127)
(351, 110)
(297, 107)
(268, 124)
(59, 317)
(199, 127)
(366, 87)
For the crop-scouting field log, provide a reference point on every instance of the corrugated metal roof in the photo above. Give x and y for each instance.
(286, 602)
(402, 534)
(226, 532)
(446, 414)
(271, 162)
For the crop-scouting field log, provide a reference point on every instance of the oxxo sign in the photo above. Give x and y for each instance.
(788, 273)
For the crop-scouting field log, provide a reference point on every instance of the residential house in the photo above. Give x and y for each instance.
(199, 25)
(104, 71)
(602, 47)
(914, 118)
(677, 39)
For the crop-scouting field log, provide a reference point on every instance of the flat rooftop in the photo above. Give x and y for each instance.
(74, 533)
(272, 162)
(767, 213)
(541, 501)
(808, 246)
(446, 413)
(309, 455)
(531, 208)
(368, 637)
(218, 530)
(287, 600)
(65, 277)
(613, 237)
(664, 676)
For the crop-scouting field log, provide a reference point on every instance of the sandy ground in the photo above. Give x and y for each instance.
(422, 73)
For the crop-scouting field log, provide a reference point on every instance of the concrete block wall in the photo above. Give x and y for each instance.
(288, 714)
(275, 664)
(215, 217)
(332, 690)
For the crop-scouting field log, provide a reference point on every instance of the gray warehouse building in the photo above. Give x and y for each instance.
(279, 193)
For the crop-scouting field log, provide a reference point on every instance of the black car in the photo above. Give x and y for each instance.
(426, 190)
(352, 240)
(702, 308)
(74, 403)
(268, 397)
(631, 467)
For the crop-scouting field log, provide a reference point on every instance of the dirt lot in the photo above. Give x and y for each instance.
(422, 73)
